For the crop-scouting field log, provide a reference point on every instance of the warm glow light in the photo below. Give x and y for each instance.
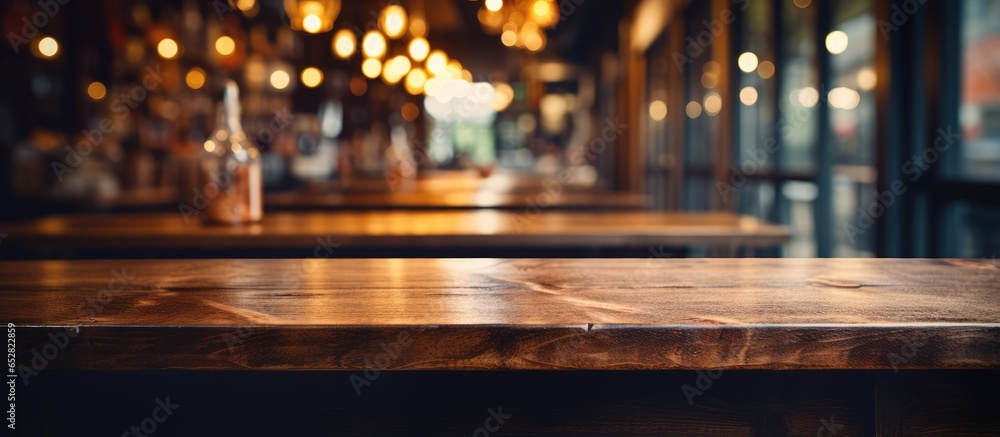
(747, 62)
(395, 69)
(343, 43)
(245, 5)
(541, 7)
(419, 49)
(867, 79)
(503, 94)
(312, 23)
(48, 47)
(167, 48)
(371, 68)
(535, 40)
(808, 97)
(454, 69)
(256, 72)
(313, 16)
(802, 3)
(311, 77)
(415, 80)
(195, 78)
(765, 69)
(280, 79)
(748, 95)
(693, 109)
(544, 13)
(401, 65)
(418, 27)
(432, 86)
(494, 5)
(96, 90)
(409, 111)
(437, 62)
(712, 67)
(709, 80)
(358, 85)
(710, 74)
(508, 38)
(713, 104)
(373, 44)
(836, 42)
(393, 21)
(844, 98)
(225, 45)
(657, 110)
(135, 50)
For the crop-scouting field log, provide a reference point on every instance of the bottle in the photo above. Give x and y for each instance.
(230, 168)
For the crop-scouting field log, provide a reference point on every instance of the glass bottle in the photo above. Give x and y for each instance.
(230, 168)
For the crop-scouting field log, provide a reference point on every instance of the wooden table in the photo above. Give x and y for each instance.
(388, 234)
(662, 347)
(587, 201)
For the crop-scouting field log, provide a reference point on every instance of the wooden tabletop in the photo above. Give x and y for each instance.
(470, 314)
(455, 200)
(388, 229)
(452, 181)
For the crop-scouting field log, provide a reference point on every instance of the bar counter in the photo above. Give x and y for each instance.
(468, 233)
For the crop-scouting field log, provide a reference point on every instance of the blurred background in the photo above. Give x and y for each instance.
(865, 127)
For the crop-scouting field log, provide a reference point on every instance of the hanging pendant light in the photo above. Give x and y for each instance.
(313, 16)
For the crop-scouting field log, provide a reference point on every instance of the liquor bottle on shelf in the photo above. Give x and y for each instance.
(230, 168)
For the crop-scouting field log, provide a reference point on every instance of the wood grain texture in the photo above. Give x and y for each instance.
(602, 314)
(401, 229)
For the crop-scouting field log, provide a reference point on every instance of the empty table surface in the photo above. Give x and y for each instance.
(602, 314)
